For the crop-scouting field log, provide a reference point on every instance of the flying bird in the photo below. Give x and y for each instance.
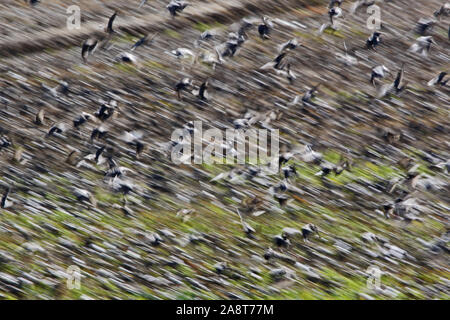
(88, 48)
(265, 28)
(176, 6)
(378, 72)
(422, 45)
(373, 41)
(143, 41)
(439, 80)
(4, 202)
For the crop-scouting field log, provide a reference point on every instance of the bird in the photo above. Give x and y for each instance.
(424, 25)
(176, 6)
(126, 57)
(106, 110)
(279, 63)
(99, 133)
(109, 28)
(202, 92)
(444, 10)
(308, 230)
(396, 87)
(282, 241)
(84, 196)
(289, 171)
(334, 13)
(57, 128)
(346, 58)
(88, 48)
(373, 41)
(288, 45)
(97, 157)
(143, 41)
(264, 28)
(82, 119)
(182, 85)
(335, 2)
(288, 73)
(40, 117)
(4, 202)
(310, 94)
(378, 72)
(439, 80)
(248, 229)
(134, 138)
(422, 45)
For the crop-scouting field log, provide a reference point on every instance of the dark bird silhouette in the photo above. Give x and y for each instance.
(183, 85)
(176, 6)
(264, 28)
(109, 28)
(308, 230)
(57, 128)
(425, 25)
(99, 133)
(201, 92)
(439, 80)
(82, 119)
(88, 48)
(143, 41)
(5, 203)
(373, 41)
(106, 111)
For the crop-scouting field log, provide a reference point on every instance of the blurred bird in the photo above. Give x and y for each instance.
(126, 57)
(334, 13)
(176, 6)
(82, 119)
(57, 128)
(439, 80)
(373, 41)
(183, 85)
(88, 48)
(265, 28)
(396, 87)
(310, 94)
(279, 63)
(143, 41)
(422, 45)
(249, 231)
(84, 196)
(346, 58)
(99, 133)
(109, 28)
(5, 202)
(202, 92)
(378, 72)
(444, 10)
(425, 25)
(289, 45)
(143, 2)
(289, 171)
(308, 230)
(335, 2)
(106, 110)
(134, 138)
(40, 117)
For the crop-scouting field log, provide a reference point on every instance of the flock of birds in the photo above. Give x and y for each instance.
(281, 65)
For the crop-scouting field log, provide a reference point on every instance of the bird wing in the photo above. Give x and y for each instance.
(109, 29)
